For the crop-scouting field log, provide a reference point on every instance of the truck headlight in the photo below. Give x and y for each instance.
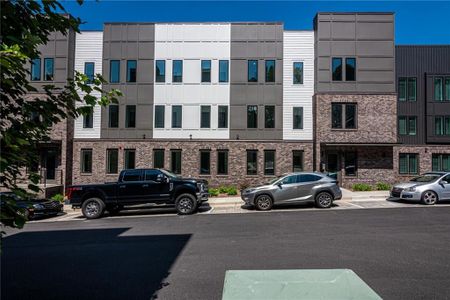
(200, 187)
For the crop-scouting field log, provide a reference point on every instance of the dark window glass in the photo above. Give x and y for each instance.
(442, 125)
(88, 120)
(158, 158)
(223, 70)
(113, 116)
(412, 125)
(297, 118)
(336, 115)
(297, 160)
(132, 175)
(402, 129)
(402, 89)
(175, 161)
(269, 162)
(114, 71)
(252, 116)
(343, 116)
(408, 163)
(205, 162)
(86, 160)
(441, 162)
(130, 158)
(438, 90)
(407, 125)
(252, 162)
(350, 163)
(350, 116)
(130, 116)
(206, 71)
(252, 71)
(291, 179)
(151, 175)
(89, 69)
(350, 69)
(160, 71)
(112, 161)
(307, 178)
(269, 113)
(36, 69)
(205, 116)
(337, 69)
(447, 125)
(131, 70)
(447, 88)
(48, 69)
(176, 116)
(412, 89)
(222, 162)
(177, 71)
(270, 71)
(223, 116)
(159, 116)
(298, 73)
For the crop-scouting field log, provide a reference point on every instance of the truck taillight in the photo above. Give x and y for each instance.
(70, 190)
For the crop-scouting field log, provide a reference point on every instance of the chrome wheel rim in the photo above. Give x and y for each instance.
(264, 202)
(324, 199)
(92, 209)
(429, 198)
(185, 205)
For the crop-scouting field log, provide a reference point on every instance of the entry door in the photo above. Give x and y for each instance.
(49, 162)
(333, 162)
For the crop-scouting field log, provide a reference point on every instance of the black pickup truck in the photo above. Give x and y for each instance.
(137, 187)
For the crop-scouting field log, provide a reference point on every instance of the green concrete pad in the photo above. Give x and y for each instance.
(330, 284)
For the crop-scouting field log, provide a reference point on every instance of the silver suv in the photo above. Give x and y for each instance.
(294, 188)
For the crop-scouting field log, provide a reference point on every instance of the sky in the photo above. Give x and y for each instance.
(416, 22)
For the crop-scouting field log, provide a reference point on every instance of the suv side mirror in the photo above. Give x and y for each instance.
(280, 184)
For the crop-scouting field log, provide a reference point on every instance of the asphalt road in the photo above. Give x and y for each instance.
(401, 253)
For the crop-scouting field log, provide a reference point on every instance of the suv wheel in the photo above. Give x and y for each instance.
(263, 202)
(93, 208)
(185, 204)
(429, 198)
(324, 200)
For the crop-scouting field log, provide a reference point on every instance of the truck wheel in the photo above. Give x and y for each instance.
(93, 208)
(185, 204)
(324, 200)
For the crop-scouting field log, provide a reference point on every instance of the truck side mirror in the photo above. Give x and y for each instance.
(159, 178)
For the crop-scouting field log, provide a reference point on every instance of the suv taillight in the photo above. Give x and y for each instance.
(70, 190)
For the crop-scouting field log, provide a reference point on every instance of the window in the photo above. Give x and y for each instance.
(441, 162)
(447, 88)
(291, 179)
(222, 162)
(175, 161)
(350, 163)
(151, 175)
(252, 162)
(88, 120)
(269, 162)
(177, 71)
(114, 71)
(252, 71)
(402, 89)
(160, 71)
(176, 116)
(412, 89)
(350, 69)
(113, 116)
(132, 175)
(407, 89)
(297, 118)
(408, 163)
(86, 160)
(205, 162)
(407, 125)
(130, 158)
(297, 160)
(36, 69)
(48, 69)
(269, 112)
(159, 116)
(298, 73)
(442, 125)
(343, 116)
(337, 69)
(205, 116)
(223, 116)
(336, 115)
(223, 70)
(252, 116)
(130, 116)
(270, 71)
(350, 116)
(308, 178)
(131, 70)
(438, 89)
(112, 161)
(89, 69)
(206, 71)
(158, 158)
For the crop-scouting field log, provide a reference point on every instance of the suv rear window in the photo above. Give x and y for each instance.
(133, 175)
(308, 178)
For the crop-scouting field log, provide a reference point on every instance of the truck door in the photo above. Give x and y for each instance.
(130, 188)
(157, 188)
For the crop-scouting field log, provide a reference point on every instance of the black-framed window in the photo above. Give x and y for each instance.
(222, 116)
(407, 125)
(297, 160)
(158, 158)
(205, 116)
(205, 162)
(175, 161)
(112, 161)
(130, 158)
(160, 71)
(350, 69)
(114, 71)
(447, 88)
(130, 116)
(408, 163)
(252, 116)
(407, 88)
(269, 162)
(252, 162)
(86, 161)
(131, 70)
(438, 89)
(412, 89)
(160, 111)
(297, 117)
(223, 70)
(49, 69)
(270, 70)
(440, 162)
(343, 115)
(222, 162)
(113, 116)
(442, 125)
(206, 70)
(88, 120)
(269, 114)
(36, 69)
(89, 71)
(177, 71)
(336, 68)
(298, 73)
(350, 163)
(252, 71)
(177, 116)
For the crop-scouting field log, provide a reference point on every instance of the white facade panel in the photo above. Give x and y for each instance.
(298, 46)
(89, 48)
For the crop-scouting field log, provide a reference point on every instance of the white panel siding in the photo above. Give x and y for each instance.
(192, 43)
(89, 48)
(298, 46)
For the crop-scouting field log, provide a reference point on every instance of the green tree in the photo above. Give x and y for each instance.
(25, 25)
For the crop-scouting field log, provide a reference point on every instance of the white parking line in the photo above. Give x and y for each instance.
(359, 206)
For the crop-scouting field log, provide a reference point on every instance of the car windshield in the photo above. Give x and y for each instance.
(426, 178)
(169, 174)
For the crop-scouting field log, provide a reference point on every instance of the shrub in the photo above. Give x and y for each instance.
(58, 197)
(362, 187)
(244, 184)
(382, 186)
(231, 191)
(223, 189)
(213, 192)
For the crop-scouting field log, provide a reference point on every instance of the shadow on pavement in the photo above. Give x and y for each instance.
(285, 206)
(87, 264)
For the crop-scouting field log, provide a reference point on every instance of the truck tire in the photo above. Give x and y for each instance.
(93, 208)
(185, 204)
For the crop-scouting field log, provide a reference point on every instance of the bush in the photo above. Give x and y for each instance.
(362, 187)
(244, 184)
(223, 189)
(382, 186)
(231, 191)
(213, 192)
(58, 197)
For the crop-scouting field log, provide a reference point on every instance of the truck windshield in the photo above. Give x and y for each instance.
(169, 174)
